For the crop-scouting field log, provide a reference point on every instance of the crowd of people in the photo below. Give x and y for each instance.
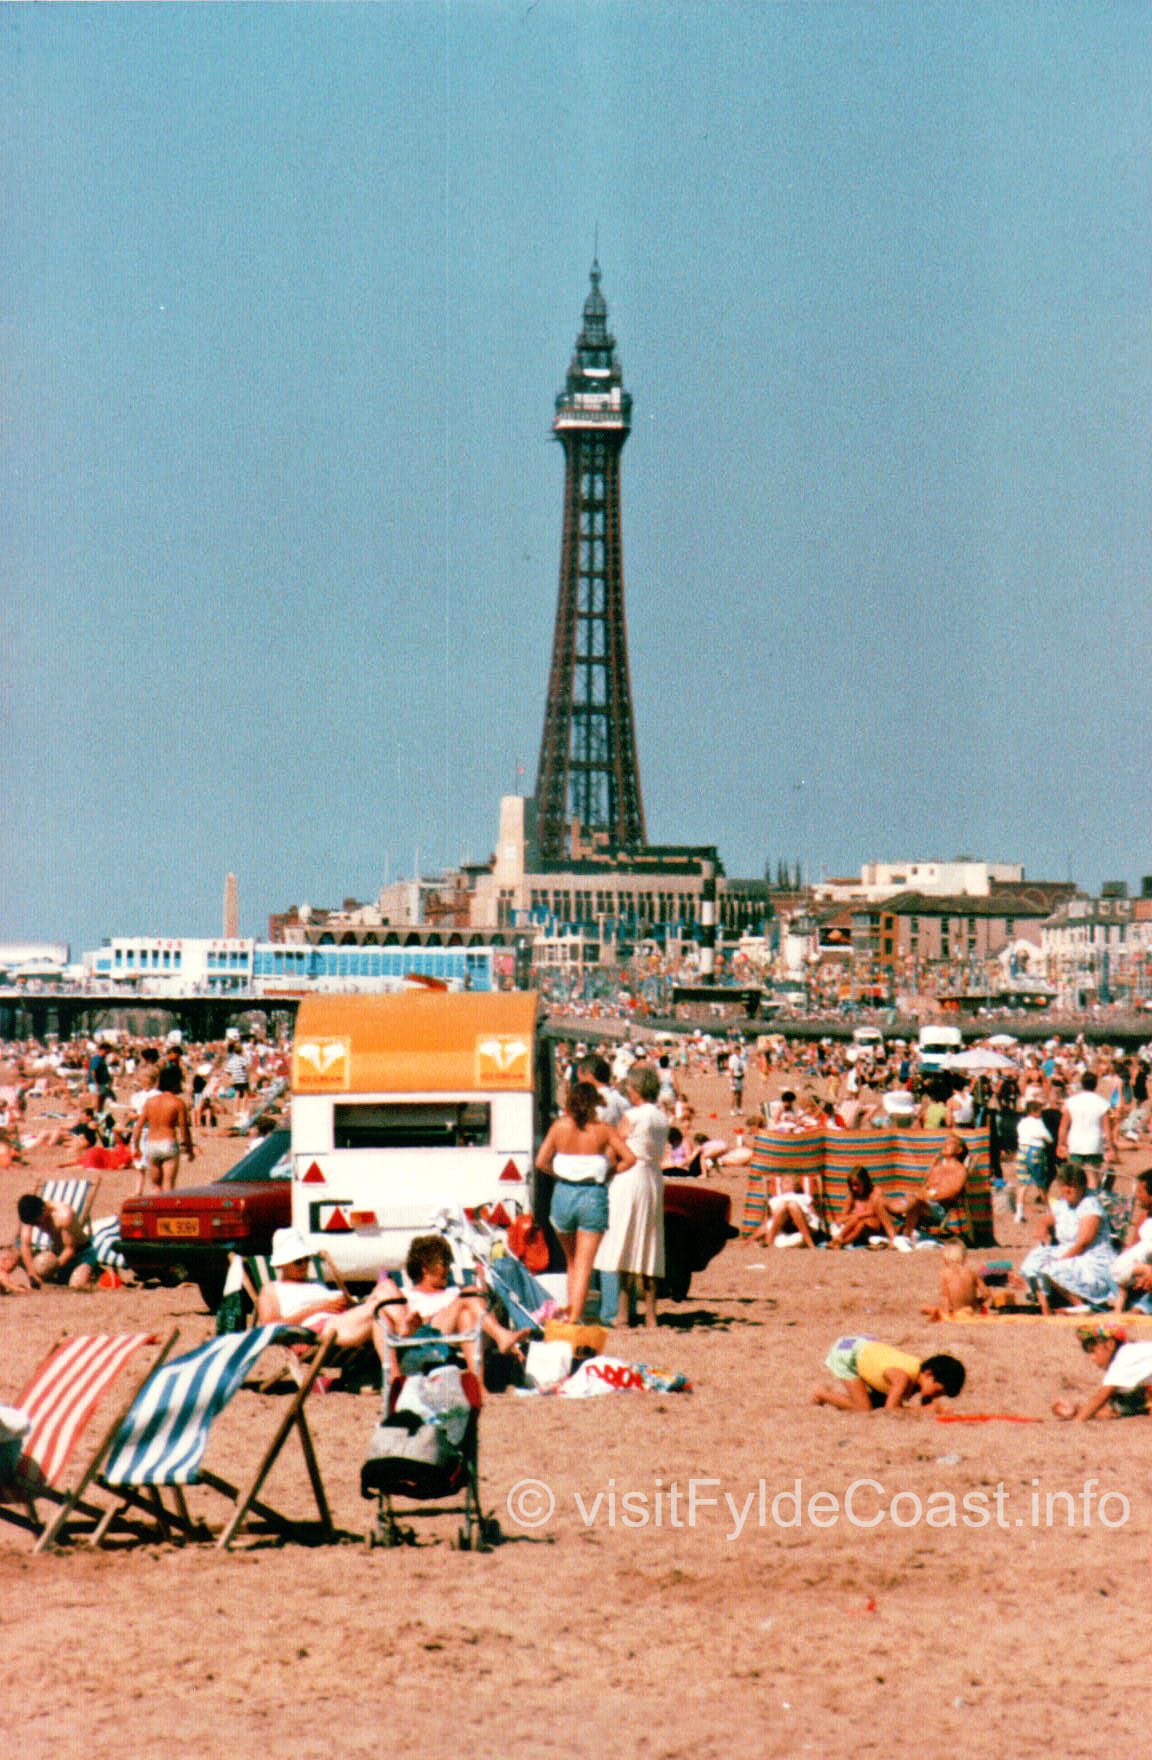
(1059, 1119)
(112, 1103)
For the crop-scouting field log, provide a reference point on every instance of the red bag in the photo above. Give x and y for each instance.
(527, 1243)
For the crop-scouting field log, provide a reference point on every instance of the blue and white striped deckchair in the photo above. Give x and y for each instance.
(105, 1237)
(472, 1243)
(518, 1290)
(162, 1439)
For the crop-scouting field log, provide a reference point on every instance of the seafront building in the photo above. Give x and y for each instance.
(156, 966)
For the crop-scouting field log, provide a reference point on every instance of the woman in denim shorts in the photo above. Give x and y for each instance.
(581, 1153)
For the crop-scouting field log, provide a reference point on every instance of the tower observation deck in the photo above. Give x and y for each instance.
(587, 782)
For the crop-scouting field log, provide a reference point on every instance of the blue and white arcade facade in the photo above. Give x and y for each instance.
(155, 965)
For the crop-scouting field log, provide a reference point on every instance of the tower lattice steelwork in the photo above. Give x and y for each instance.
(588, 771)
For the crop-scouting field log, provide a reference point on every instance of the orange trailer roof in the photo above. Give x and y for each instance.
(419, 1042)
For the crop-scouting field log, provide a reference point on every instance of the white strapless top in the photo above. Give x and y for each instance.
(581, 1170)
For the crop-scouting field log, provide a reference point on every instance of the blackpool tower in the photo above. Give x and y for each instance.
(587, 782)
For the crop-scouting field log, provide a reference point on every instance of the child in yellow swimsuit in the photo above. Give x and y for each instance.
(871, 1376)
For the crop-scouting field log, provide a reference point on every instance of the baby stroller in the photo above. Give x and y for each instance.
(426, 1445)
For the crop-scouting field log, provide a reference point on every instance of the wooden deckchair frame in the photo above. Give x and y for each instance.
(70, 1504)
(175, 1524)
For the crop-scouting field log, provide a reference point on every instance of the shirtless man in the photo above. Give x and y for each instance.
(164, 1115)
(68, 1258)
(943, 1184)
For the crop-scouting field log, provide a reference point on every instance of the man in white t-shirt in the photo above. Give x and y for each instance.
(1087, 1128)
(622, 1061)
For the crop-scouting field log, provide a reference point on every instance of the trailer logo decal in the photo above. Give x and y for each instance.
(323, 1065)
(503, 1060)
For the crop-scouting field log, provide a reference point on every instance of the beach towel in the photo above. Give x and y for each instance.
(103, 1160)
(985, 1418)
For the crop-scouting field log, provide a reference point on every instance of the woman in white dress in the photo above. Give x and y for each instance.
(634, 1243)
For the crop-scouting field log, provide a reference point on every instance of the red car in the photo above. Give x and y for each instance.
(188, 1234)
(697, 1227)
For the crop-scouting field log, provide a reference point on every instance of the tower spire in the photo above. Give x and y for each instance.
(587, 775)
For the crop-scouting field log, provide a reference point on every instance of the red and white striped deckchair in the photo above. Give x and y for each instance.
(161, 1440)
(59, 1401)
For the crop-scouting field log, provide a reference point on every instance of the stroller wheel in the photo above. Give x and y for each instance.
(491, 1533)
(386, 1533)
(464, 1539)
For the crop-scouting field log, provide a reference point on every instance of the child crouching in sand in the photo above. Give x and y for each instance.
(871, 1376)
(962, 1293)
(1126, 1390)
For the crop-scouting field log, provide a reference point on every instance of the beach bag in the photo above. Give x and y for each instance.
(428, 1423)
(586, 1341)
(405, 1439)
(14, 1428)
(548, 1364)
(232, 1314)
(527, 1243)
(602, 1375)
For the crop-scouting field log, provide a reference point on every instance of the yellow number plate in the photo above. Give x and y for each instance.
(182, 1227)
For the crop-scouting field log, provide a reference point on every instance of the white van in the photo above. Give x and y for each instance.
(406, 1105)
(869, 1040)
(935, 1044)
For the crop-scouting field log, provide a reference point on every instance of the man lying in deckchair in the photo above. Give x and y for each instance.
(295, 1298)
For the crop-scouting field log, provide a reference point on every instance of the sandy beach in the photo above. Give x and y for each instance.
(726, 1619)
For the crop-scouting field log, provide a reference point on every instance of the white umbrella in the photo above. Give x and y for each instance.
(1002, 1039)
(978, 1058)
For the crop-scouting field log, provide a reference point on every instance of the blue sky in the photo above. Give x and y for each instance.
(286, 295)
